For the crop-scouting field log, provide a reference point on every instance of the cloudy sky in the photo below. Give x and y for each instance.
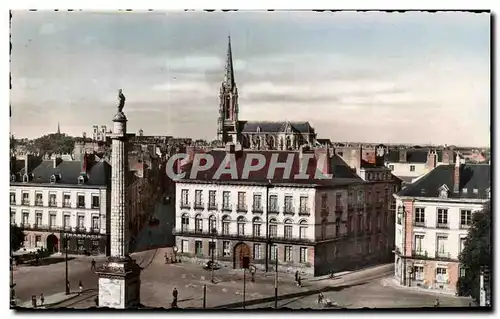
(375, 77)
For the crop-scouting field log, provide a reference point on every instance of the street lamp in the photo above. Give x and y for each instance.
(214, 233)
(402, 218)
(66, 261)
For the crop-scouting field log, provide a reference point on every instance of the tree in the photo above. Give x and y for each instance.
(476, 253)
(16, 237)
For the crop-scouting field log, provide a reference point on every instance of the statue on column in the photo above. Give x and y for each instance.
(121, 101)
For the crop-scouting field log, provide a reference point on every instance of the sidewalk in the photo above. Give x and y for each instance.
(50, 301)
(392, 282)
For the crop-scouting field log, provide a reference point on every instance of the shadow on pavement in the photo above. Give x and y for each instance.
(46, 261)
(287, 296)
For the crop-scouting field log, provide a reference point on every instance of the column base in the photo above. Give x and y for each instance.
(119, 283)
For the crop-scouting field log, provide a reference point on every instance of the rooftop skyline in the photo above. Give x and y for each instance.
(411, 77)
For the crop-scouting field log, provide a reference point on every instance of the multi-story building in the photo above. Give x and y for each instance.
(434, 215)
(53, 199)
(312, 225)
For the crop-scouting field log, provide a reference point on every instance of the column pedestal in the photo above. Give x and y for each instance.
(119, 283)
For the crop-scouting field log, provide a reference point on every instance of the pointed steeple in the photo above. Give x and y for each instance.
(58, 128)
(229, 72)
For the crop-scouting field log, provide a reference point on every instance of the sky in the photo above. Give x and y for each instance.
(411, 77)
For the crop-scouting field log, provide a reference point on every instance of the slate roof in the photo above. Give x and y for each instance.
(342, 174)
(274, 127)
(99, 173)
(472, 176)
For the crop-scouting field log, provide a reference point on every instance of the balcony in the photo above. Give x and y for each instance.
(418, 224)
(464, 226)
(67, 204)
(199, 206)
(52, 204)
(227, 208)
(185, 205)
(339, 209)
(257, 209)
(273, 210)
(212, 206)
(80, 205)
(324, 210)
(249, 237)
(287, 210)
(25, 202)
(241, 208)
(420, 253)
(441, 255)
(304, 212)
(95, 206)
(441, 225)
(350, 208)
(39, 203)
(379, 204)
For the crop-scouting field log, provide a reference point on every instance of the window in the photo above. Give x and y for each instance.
(412, 168)
(303, 205)
(273, 252)
(418, 272)
(242, 205)
(95, 222)
(303, 229)
(349, 224)
(184, 222)
(81, 221)
(38, 218)
(475, 191)
(257, 251)
(212, 224)
(66, 221)
(273, 228)
(38, 199)
(273, 203)
(198, 199)
(464, 190)
(257, 202)
(369, 197)
(442, 218)
(462, 243)
(288, 204)
(198, 224)
(13, 198)
(52, 200)
(288, 229)
(241, 225)
(256, 226)
(26, 198)
(198, 247)
(337, 227)
(419, 240)
(338, 199)
(379, 221)
(441, 276)
(226, 249)
(211, 199)
(226, 204)
(225, 225)
(38, 241)
(324, 201)
(368, 224)
(211, 248)
(67, 200)
(26, 218)
(361, 197)
(184, 246)
(303, 254)
(185, 198)
(420, 216)
(12, 216)
(81, 201)
(288, 254)
(391, 167)
(465, 218)
(442, 242)
(360, 222)
(95, 201)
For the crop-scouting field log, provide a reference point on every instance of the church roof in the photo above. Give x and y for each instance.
(275, 127)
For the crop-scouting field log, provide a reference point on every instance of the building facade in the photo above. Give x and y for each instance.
(52, 200)
(313, 226)
(260, 135)
(434, 216)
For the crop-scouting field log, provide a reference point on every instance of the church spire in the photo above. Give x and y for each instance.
(229, 72)
(58, 128)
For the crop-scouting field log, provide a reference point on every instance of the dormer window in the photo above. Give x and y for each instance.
(13, 178)
(26, 178)
(464, 190)
(443, 191)
(82, 179)
(53, 179)
(258, 129)
(475, 191)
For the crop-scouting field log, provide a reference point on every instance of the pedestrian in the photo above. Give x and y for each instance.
(80, 285)
(175, 293)
(297, 276)
(33, 301)
(299, 282)
(437, 303)
(42, 299)
(92, 264)
(166, 258)
(320, 298)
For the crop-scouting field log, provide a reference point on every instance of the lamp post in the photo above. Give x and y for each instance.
(269, 185)
(402, 215)
(66, 261)
(12, 284)
(214, 233)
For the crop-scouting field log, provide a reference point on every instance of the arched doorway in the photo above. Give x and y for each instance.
(52, 243)
(240, 250)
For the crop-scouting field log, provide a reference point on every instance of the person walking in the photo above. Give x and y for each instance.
(92, 265)
(299, 282)
(33, 301)
(175, 294)
(436, 304)
(320, 298)
(80, 285)
(42, 299)
(297, 276)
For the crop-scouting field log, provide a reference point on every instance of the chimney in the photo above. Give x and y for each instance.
(402, 156)
(230, 148)
(57, 160)
(431, 159)
(322, 160)
(456, 175)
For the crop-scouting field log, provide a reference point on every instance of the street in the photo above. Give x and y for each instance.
(359, 289)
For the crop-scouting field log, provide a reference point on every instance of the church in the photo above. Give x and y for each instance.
(259, 135)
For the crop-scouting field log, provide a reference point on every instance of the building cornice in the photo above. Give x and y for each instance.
(442, 200)
(56, 185)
